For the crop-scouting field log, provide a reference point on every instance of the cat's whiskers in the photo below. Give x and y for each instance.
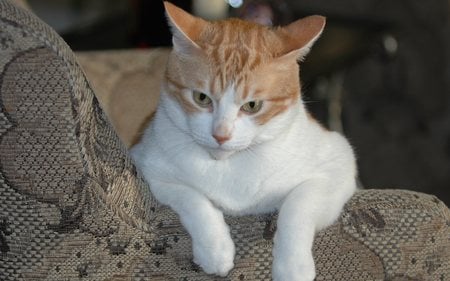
(250, 152)
(309, 101)
(175, 148)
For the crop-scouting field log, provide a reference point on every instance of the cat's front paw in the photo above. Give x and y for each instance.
(215, 256)
(293, 270)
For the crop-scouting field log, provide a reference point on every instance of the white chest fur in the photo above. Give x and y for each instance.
(250, 181)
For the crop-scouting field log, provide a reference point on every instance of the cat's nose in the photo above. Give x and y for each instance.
(221, 139)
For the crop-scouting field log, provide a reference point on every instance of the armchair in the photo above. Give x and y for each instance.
(73, 206)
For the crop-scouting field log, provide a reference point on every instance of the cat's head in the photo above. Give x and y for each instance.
(233, 84)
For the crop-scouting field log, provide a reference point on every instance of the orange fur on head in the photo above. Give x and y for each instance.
(259, 62)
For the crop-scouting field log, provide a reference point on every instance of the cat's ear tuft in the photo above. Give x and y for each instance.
(185, 28)
(302, 34)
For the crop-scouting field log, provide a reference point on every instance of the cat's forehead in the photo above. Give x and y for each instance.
(234, 49)
(235, 36)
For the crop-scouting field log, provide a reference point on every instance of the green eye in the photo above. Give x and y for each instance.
(202, 99)
(252, 107)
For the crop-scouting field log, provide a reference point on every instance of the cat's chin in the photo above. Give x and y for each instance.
(220, 154)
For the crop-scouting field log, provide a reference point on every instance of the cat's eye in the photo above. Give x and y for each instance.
(202, 99)
(252, 107)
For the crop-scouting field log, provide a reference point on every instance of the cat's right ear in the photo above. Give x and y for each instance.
(185, 28)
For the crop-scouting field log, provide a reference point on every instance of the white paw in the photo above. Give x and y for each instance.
(293, 270)
(215, 255)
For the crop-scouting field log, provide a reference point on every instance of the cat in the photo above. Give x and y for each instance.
(232, 136)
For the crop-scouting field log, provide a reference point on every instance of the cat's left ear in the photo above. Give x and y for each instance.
(185, 28)
(301, 35)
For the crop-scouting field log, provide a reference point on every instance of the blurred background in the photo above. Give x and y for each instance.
(380, 72)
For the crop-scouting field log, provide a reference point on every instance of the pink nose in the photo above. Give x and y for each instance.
(221, 139)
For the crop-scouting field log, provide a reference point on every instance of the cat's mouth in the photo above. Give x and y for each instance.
(220, 154)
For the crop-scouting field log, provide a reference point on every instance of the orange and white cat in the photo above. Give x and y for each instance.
(231, 136)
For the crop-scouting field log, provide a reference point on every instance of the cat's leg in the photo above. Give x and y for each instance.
(212, 245)
(307, 209)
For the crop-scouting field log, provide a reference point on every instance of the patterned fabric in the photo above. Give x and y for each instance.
(72, 206)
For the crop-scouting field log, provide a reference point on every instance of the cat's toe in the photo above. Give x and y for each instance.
(220, 267)
(216, 258)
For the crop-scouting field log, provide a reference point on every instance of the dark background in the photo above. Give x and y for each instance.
(380, 73)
